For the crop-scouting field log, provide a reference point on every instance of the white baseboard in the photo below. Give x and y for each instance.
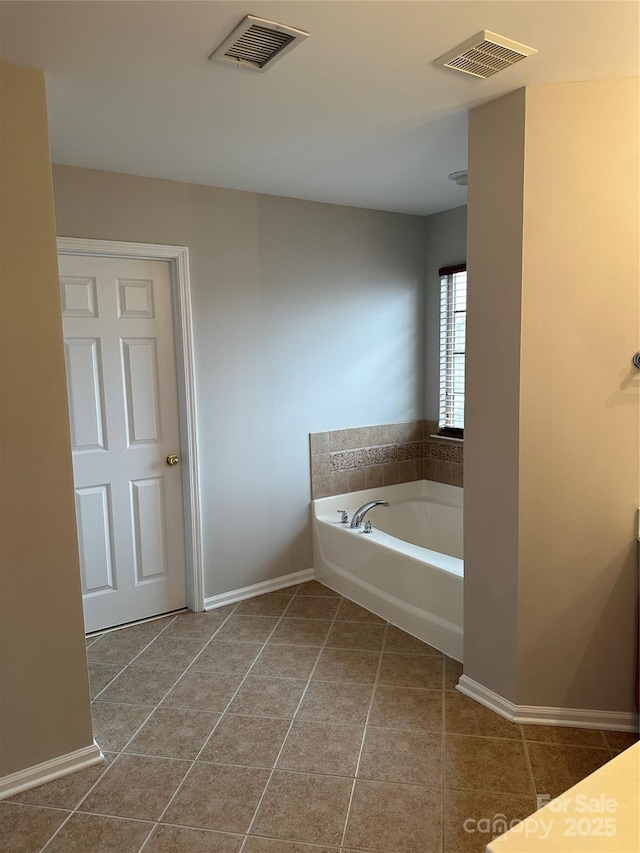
(258, 589)
(620, 721)
(31, 777)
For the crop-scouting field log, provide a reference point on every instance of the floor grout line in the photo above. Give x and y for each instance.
(270, 771)
(293, 720)
(206, 742)
(127, 665)
(364, 735)
(121, 751)
(527, 759)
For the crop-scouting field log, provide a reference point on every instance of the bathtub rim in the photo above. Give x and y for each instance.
(442, 634)
(325, 510)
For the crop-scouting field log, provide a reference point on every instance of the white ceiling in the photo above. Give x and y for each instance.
(356, 115)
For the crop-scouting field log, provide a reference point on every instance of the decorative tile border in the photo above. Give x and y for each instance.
(348, 460)
(381, 455)
(345, 459)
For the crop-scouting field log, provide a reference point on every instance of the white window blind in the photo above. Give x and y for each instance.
(453, 322)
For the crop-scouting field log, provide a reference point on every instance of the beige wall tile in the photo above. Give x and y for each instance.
(339, 482)
(375, 476)
(390, 475)
(357, 479)
(319, 442)
(430, 428)
(457, 474)
(429, 469)
(321, 465)
(321, 487)
(407, 471)
(443, 471)
(375, 435)
(339, 439)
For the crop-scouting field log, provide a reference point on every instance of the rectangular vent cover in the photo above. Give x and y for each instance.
(257, 44)
(485, 54)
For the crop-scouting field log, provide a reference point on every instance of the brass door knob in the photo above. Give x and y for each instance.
(172, 459)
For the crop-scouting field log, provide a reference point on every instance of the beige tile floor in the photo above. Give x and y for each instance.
(296, 722)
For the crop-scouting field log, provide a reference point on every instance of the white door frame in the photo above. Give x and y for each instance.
(178, 258)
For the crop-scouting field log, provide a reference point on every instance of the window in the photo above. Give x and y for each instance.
(453, 322)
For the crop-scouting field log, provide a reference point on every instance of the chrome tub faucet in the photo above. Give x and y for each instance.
(358, 516)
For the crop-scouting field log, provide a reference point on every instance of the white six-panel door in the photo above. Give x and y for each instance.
(123, 406)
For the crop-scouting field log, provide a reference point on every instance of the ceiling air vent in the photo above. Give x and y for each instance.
(485, 54)
(257, 44)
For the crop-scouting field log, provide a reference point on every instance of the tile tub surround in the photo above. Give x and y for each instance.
(300, 723)
(349, 460)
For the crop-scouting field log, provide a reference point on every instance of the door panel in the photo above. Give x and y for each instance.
(84, 387)
(140, 372)
(123, 407)
(95, 538)
(148, 528)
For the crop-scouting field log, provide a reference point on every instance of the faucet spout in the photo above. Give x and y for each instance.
(358, 516)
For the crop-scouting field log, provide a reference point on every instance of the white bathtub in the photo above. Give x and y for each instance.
(409, 570)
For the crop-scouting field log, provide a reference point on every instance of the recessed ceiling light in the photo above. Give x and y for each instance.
(460, 178)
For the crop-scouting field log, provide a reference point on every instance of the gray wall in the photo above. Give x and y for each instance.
(492, 392)
(445, 245)
(308, 317)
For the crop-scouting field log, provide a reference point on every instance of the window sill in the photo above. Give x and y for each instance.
(447, 438)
